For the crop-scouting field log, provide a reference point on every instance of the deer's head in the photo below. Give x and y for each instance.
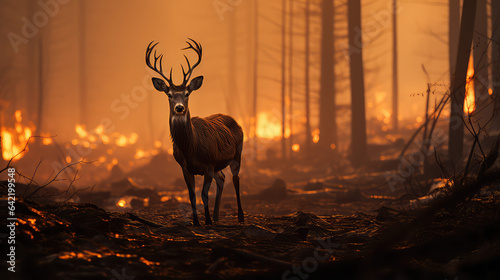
(178, 95)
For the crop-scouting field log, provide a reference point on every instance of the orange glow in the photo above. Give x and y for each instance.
(15, 139)
(150, 263)
(287, 132)
(122, 141)
(80, 130)
(99, 129)
(315, 135)
(490, 91)
(18, 115)
(47, 140)
(268, 126)
(139, 154)
(121, 203)
(132, 139)
(157, 144)
(470, 95)
(333, 146)
(295, 147)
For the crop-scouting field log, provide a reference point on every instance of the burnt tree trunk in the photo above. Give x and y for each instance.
(327, 106)
(283, 78)
(290, 75)
(481, 65)
(306, 76)
(495, 55)
(358, 121)
(457, 91)
(255, 74)
(453, 33)
(83, 71)
(394, 66)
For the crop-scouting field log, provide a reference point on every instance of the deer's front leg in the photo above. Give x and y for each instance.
(189, 178)
(204, 195)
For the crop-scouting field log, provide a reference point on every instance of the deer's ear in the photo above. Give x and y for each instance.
(159, 84)
(195, 84)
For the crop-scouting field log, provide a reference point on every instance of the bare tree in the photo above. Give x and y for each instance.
(255, 73)
(394, 67)
(290, 72)
(495, 24)
(306, 75)
(453, 33)
(481, 64)
(283, 78)
(327, 106)
(358, 119)
(83, 66)
(457, 91)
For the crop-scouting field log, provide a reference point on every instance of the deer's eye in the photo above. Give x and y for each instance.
(169, 95)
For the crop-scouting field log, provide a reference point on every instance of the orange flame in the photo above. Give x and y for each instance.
(121, 203)
(470, 95)
(14, 139)
(315, 135)
(268, 126)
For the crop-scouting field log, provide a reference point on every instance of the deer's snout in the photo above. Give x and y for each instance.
(179, 108)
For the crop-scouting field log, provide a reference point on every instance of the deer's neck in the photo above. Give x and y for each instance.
(181, 131)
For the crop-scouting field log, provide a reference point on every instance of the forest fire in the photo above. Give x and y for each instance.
(314, 139)
(268, 126)
(97, 135)
(14, 139)
(470, 94)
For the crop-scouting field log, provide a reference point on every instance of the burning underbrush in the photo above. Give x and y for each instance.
(157, 241)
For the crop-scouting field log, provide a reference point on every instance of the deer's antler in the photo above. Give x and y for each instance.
(197, 48)
(158, 59)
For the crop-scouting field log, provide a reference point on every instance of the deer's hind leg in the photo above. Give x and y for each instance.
(235, 170)
(219, 179)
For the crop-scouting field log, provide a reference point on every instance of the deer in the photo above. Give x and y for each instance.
(201, 146)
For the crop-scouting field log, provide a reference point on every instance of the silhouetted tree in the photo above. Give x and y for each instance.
(83, 67)
(306, 75)
(290, 72)
(495, 55)
(480, 50)
(454, 30)
(283, 78)
(358, 119)
(394, 66)
(457, 91)
(255, 73)
(327, 106)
